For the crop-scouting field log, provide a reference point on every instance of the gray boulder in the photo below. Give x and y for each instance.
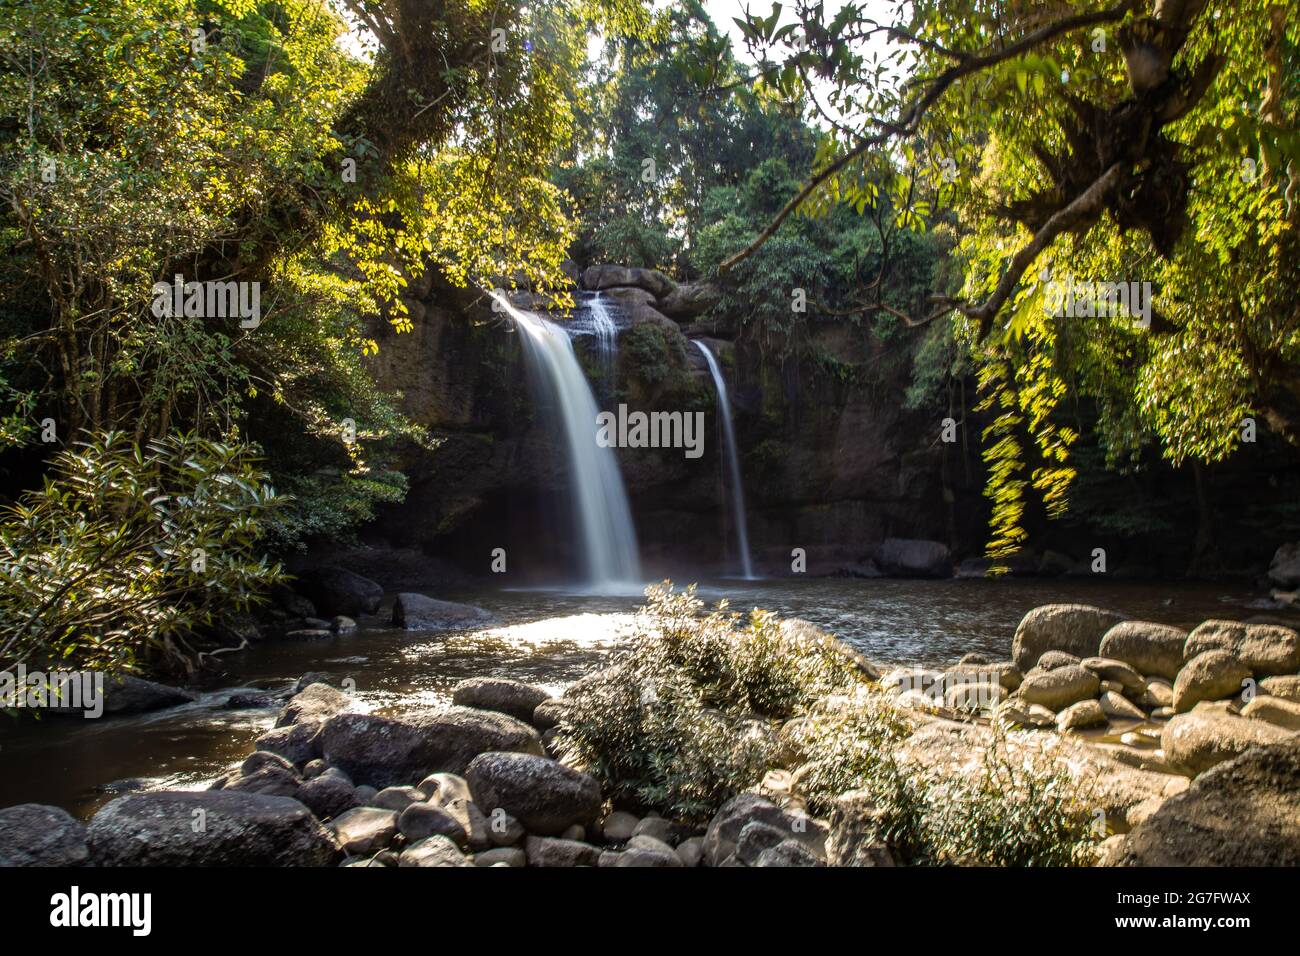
(362, 831)
(689, 299)
(35, 835)
(1284, 569)
(316, 702)
(337, 591)
(653, 281)
(1265, 649)
(328, 794)
(415, 612)
(545, 796)
(298, 743)
(552, 851)
(421, 820)
(1074, 628)
(433, 851)
(208, 828)
(913, 558)
(511, 697)
(855, 832)
(1212, 675)
(1195, 742)
(1058, 689)
(1151, 649)
(789, 853)
(723, 833)
(1080, 716)
(1134, 683)
(1243, 812)
(387, 751)
(124, 694)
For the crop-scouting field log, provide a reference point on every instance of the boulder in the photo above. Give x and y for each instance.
(1195, 742)
(415, 612)
(316, 702)
(723, 833)
(1125, 675)
(386, 751)
(661, 829)
(396, 799)
(552, 851)
(338, 591)
(1288, 687)
(1074, 628)
(689, 299)
(1080, 716)
(362, 831)
(1057, 689)
(122, 694)
(856, 832)
(549, 713)
(433, 851)
(653, 281)
(208, 828)
(328, 794)
(1003, 673)
(913, 558)
(973, 696)
(1243, 812)
(618, 827)
(479, 830)
(421, 820)
(511, 697)
(271, 779)
(691, 851)
(1274, 710)
(755, 837)
(298, 743)
(1212, 675)
(1265, 649)
(501, 856)
(1117, 706)
(1054, 660)
(1159, 693)
(542, 794)
(35, 835)
(1152, 649)
(788, 853)
(635, 856)
(1284, 569)
(442, 788)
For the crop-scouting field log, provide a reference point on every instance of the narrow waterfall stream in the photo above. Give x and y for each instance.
(733, 464)
(606, 535)
(606, 334)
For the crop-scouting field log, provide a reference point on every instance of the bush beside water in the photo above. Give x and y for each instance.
(704, 704)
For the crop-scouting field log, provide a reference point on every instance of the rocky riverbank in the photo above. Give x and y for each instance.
(1185, 749)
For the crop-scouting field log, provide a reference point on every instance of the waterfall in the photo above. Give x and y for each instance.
(606, 332)
(605, 531)
(733, 464)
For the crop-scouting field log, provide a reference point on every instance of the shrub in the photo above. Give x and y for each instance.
(128, 550)
(1020, 808)
(688, 717)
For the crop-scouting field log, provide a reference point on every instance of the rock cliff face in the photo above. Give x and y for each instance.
(830, 465)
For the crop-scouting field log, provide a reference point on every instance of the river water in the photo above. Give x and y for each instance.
(544, 637)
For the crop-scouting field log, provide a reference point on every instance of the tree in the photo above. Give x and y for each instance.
(1103, 142)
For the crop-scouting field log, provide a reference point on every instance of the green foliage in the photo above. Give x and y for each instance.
(128, 549)
(686, 718)
(1009, 810)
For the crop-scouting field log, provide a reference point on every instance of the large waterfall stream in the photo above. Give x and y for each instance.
(733, 464)
(607, 538)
